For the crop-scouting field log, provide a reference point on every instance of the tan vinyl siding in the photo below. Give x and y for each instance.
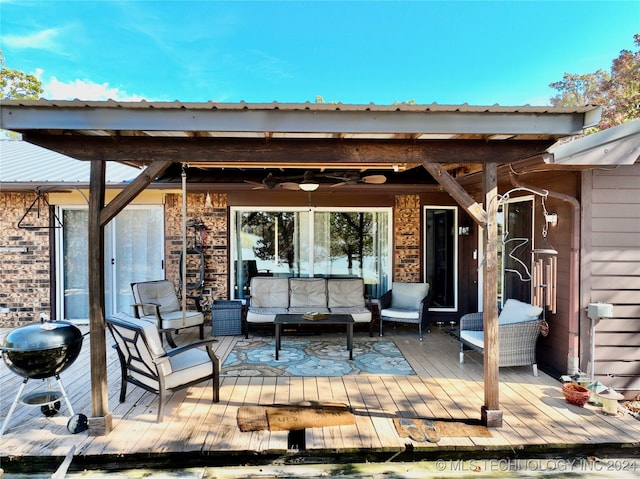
(611, 273)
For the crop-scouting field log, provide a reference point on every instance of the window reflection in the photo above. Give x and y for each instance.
(312, 242)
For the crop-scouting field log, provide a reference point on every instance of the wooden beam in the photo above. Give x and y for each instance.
(260, 152)
(491, 413)
(133, 189)
(100, 422)
(457, 192)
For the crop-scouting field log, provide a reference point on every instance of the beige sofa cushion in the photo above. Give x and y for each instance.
(269, 292)
(308, 293)
(345, 293)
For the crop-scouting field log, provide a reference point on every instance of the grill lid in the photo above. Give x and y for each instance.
(41, 336)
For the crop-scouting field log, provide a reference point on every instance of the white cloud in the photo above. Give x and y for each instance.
(42, 40)
(54, 89)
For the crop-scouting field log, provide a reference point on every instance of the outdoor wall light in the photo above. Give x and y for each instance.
(464, 229)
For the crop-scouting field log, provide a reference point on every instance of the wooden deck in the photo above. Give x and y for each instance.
(195, 432)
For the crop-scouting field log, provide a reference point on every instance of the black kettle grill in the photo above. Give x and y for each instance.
(41, 351)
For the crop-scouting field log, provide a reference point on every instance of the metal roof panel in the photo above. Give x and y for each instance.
(23, 162)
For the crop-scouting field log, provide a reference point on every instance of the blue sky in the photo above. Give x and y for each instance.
(479, 52)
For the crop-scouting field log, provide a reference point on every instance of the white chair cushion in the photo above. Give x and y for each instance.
(408, 295)
(308, 293)
(174, 320)
(188, 366)
(160, 292)
(473, 337)
(267, 292)
(343, 293)
(515, 311)
(400, 313)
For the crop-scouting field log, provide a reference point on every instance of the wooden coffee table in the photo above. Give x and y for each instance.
(297, 319)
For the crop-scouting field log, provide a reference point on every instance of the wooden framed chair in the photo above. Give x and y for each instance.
(157, 301)
(406, 303)
(145, 363)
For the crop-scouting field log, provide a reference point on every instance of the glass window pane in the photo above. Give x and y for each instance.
(272, 243)
(352, 244)
(134, 245)
(138, 242)
(516, 233)
(75, 259)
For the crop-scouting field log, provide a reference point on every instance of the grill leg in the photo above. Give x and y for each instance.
(64, 395)
(13, 406)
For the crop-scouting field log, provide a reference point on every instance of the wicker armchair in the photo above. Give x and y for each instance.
(517, 339)
(406, 303)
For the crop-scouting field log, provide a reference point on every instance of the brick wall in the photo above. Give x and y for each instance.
(25, 253)
(406, 248)
(24, 260)
(216, 236)
(25, 276)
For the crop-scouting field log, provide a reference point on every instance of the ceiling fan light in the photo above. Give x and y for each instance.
(309, 186)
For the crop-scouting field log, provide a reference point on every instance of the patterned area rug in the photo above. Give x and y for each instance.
(315, 358)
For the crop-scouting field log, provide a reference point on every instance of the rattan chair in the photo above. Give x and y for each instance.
(516, 339)
(145, 363)
(406, 303)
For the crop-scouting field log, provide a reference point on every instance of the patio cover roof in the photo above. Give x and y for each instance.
(288, 135)
(293, 135)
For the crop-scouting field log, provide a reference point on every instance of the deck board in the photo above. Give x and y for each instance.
(535, 413)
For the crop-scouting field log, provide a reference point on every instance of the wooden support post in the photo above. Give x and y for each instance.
(491, 413)
(100, 422)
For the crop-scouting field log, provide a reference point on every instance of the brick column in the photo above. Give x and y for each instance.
(406, 238)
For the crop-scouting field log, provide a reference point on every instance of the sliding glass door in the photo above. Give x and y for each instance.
(134, 251)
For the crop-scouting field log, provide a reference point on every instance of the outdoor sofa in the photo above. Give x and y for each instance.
(518, 330)
(271, 296)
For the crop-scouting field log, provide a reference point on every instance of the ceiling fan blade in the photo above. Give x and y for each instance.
(257, 184)
(289, 185)
(375, 179)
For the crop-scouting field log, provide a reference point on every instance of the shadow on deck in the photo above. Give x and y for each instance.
(197, 432)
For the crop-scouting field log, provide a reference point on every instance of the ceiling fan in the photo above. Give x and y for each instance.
(353, 178)
(271, 182)
(310, 182)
